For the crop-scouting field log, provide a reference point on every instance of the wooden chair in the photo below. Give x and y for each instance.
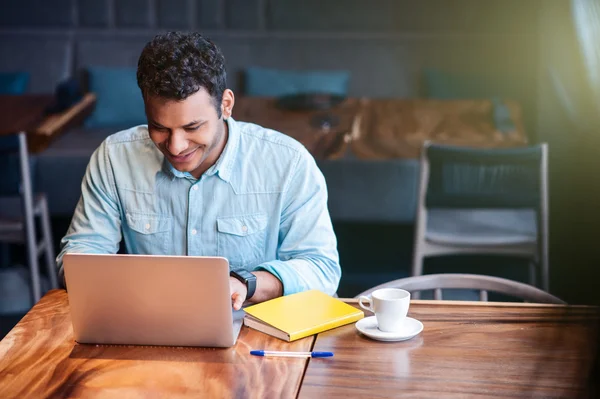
(437, 282)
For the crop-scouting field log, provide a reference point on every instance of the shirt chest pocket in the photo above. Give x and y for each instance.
(150, 233)
(241, 239)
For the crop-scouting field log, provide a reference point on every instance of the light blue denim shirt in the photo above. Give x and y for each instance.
(262, 205)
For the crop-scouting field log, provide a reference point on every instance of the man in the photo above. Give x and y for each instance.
(196, 182)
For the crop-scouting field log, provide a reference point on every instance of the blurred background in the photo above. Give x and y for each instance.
(390, 74)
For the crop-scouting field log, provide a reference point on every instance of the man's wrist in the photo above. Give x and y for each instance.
(246, 278)
(268, 286)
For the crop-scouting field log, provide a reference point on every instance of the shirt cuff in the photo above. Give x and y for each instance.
(286, 273)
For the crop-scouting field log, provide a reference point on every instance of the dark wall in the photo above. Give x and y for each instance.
(385, 44)
(377, 16)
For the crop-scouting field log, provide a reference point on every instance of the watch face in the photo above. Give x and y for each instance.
(246, 275)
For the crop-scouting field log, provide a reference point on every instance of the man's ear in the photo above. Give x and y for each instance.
(227, 103)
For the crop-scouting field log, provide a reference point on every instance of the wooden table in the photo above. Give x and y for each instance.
(321, 140)
(39, 359)
(27, 113)
(397, 128)
(56, 124)
(22, 112)
(465, 350)
(379, 128)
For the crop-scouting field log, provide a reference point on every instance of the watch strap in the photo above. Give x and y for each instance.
(247, 279)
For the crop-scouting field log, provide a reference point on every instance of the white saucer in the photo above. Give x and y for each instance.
(410, 328)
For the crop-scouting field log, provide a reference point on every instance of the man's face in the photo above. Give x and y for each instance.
(188, 132)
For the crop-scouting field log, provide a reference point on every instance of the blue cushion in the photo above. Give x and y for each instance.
(13, 82)
(275, 83)
(119, 100)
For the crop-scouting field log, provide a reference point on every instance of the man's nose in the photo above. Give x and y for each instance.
(177, 144)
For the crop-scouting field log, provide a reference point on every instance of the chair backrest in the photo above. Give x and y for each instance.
(457, 177)
(437, 282)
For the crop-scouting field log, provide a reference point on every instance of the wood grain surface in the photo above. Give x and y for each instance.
(39, 359)
(465, 350)
(52, 126)
(397, 128)
(20, 113)
(371, 128)
(322, 142)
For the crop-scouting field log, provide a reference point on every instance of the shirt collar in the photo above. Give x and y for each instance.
(224, 165)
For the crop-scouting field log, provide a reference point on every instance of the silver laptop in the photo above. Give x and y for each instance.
(151, 300)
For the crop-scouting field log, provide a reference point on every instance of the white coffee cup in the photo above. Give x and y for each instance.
(390, 306)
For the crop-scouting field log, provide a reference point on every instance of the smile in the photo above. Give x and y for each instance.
(182, 158)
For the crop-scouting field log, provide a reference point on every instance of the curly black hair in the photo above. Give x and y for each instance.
(176, 65)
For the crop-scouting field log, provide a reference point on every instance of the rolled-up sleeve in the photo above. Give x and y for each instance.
(96, 224)
(307, 254)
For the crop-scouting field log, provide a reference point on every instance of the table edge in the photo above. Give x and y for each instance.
(488, 304)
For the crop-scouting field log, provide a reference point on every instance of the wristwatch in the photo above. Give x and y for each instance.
(246, 278)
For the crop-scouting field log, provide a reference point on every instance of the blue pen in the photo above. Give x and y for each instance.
(291, 354)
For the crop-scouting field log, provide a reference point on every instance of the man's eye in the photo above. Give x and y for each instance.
(192, 129)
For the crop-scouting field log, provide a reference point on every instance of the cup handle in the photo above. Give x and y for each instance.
(362, 305)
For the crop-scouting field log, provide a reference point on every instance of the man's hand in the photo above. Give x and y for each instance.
(239, 291)
(267, 287)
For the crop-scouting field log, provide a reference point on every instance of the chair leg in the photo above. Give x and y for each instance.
(533, 272)
(545, 271)
(417, 263)
(33, 265)
(417, 268)
(483, 296)
(47, 234)
(27, 198)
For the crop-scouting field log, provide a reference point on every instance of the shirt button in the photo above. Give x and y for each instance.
(244, 228)
(194, 231)
(195, 188)
(147, 226)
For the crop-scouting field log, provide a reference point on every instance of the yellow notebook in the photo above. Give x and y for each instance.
(299, 315)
